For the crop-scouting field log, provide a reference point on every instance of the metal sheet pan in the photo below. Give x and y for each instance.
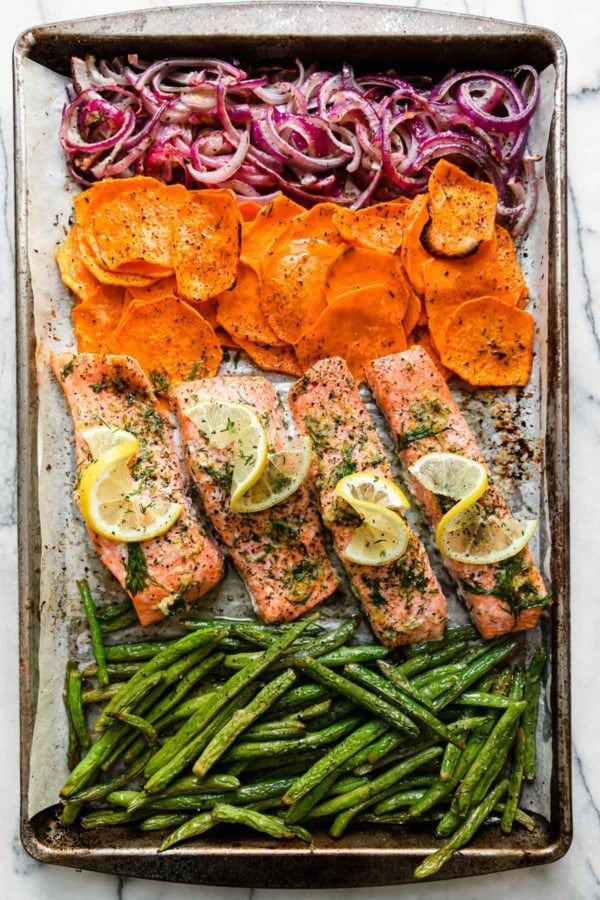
(424, 41)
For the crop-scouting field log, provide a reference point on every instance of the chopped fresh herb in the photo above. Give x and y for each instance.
(409, 578)
(247, 458)
(284, 530)
(194, 371)
(221, 475)
(418, 434)
(279, 480)
(306, 569)
(153, 419)
(300, 579)
(346, 467)
(229, 426)
(160, 382)
(373, 585)
(137, 578)
(318, 433)
(67, 369)
(513, 586)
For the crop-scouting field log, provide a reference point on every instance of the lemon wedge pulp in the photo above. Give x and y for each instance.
(284, 473)
(101, 438)
(109, 502)
(236, 428)
(383, 535)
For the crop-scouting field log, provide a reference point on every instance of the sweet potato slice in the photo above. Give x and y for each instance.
(293, 278)
(106, 276)
(239, 312)
(96, 318)
(412, 252)
(360, 326)
(249, 210)
(206, 244)
(164, 287)
(378, 227)
(272, 220)
(412, 315)
(168, 338)
(357, 267)
(489, 343)
(271, 359)
(494, 270)
(127, 222)
(462, 212)
(73, 272)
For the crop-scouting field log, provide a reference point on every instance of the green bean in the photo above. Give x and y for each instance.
(401, 681)
(431, 660)
(95, 632)
(165, 659)
(293, 764)
(76, 706)
(530, 716)
(224, 693)
(379, 784)
(103, 818)
(189, 679)
(359, 654)
(400, 798)
(347, 783)
(359, 695)
(115, 670)
(106, 613)
(339, 709)
(189, 829)
(185, 710)
(302, 808)
(402, 818)
(320, 646)
(119, 623)
(135, 651)
(308, 742)
(194, 744)
(314, 711)
(274, 731)
(98, 791)
(140, 724)
(449, 760)
(521, 816)
(476, 698)
(452, 635)
(408, 704)
(434, 862)
(475, 671)
(70, 813)
(73, 748)
(271, 825)
(159, 703)
(190, 784)
(515, 784)
(426, 679)
(338, 755)
(161, 821)
(299, 696)
(489, 761)
(105, 745)
(241, 720)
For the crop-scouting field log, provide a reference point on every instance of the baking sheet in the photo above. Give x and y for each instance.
(66, 551)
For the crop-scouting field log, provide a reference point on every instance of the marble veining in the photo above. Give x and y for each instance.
(577, 876)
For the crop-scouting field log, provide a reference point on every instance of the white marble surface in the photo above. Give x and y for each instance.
(577, 876)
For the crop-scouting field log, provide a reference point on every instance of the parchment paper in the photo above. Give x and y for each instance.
(509, 425)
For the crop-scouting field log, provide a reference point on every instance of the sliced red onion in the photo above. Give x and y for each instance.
(317, 135)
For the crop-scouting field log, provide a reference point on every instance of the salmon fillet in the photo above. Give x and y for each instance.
(182, 564)
(402, 599)
(414, 397)
(279, 552)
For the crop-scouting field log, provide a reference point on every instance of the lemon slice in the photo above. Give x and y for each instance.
(453, 476)
(236, 428)
(383, 535)
(284, 473)
(475, 537)
(110, 502)
(101, 438)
